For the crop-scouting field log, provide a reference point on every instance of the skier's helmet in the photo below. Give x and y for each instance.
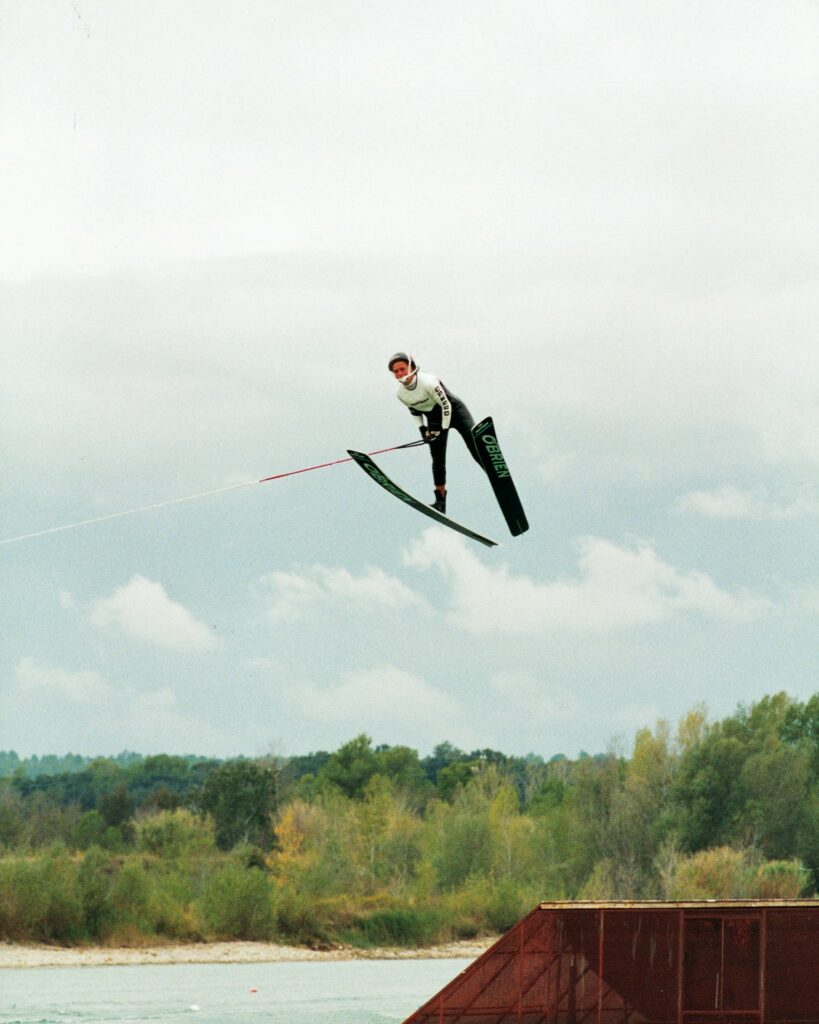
(402, 357)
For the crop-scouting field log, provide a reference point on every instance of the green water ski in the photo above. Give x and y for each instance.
(381, 478)
(499, 476)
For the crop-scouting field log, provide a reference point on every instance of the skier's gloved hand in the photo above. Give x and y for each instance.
(431, 435)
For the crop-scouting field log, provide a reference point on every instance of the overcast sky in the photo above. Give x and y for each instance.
(595, 221)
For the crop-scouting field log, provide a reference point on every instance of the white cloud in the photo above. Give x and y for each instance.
(615, 588)
(292, 594)
(83, 687)
(143, 610)
(380, 696)
(732, 503)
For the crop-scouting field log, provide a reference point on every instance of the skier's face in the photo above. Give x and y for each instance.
(401, 370)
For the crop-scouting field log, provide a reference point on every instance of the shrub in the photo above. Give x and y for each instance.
(237, 903)
(484, 906)
(725, 873)
(175, 834)
(302, 918)
(399, 927)
(175, 917)
(95, 878)
(39, 898)
(133, 907)
(720, 873)
(505, 905)
(780, 879)
(600, 884)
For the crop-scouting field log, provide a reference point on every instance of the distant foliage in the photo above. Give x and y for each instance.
(375, 845)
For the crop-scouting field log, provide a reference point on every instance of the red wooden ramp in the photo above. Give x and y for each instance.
(711, 962)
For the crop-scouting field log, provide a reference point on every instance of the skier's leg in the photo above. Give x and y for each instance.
(437, 449)
(462, 421)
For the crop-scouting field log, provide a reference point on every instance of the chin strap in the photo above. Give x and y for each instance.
(411, 374)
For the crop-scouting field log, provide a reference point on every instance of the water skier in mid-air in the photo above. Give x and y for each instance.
(438, 409)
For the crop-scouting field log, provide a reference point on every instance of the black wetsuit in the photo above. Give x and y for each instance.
(428, 398)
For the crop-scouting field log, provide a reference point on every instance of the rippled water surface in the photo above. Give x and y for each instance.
(358, 992)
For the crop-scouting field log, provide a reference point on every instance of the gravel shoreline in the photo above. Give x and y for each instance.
(24, 955)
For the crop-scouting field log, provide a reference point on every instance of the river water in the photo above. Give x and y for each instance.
(346, 992)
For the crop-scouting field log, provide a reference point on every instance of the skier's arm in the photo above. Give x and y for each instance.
(418, 420)
(442, 399)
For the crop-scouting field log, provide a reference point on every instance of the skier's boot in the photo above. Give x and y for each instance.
(440, 503)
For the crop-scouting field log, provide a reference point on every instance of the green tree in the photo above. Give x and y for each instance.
(800, 728)
(592, 800)
(775, 782)
(116, 806)
(639, 816)
(240, 798)
(350, 768)
(89, 831)
(458, 841)
(708, 790)
(453, 777)
(444, 755)
(749, 781)
(402, 766)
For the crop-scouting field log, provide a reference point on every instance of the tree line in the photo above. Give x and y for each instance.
(377, 845)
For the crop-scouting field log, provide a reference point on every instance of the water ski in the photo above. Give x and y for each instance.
(380, 477)
(500, 477)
